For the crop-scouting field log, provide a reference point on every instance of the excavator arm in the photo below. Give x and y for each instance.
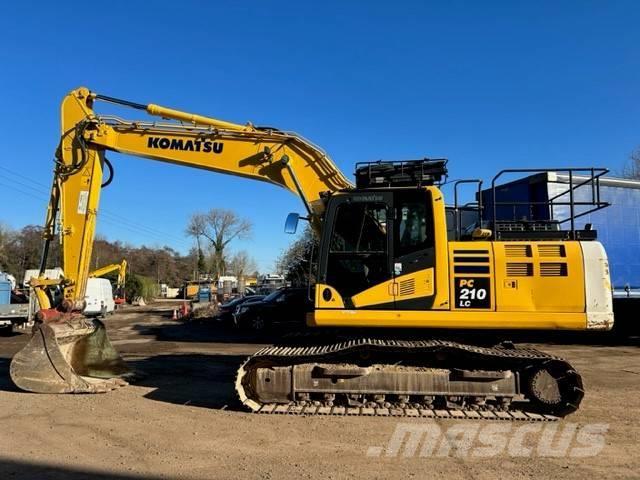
(264, 154)
(121, 268)
(67, 351)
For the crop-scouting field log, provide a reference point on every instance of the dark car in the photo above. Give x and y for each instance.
(226, 310)
(285, 305)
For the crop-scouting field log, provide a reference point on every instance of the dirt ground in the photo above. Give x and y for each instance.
(183, 420)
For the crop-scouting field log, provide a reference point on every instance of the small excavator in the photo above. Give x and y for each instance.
(392, 258)
(119, 295)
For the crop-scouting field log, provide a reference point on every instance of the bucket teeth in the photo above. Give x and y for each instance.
(71, 357)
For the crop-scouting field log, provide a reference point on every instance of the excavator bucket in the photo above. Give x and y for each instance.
(70, 357)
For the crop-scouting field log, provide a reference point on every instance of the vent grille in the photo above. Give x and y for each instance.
(408, 287)
(517, 250)
(551, 251)
(463, 259)
(556, 269)
(471, 260)
(519, 269)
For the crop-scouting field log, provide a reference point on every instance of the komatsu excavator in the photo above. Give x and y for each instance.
(387, 260)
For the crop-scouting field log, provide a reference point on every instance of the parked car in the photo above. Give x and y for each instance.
(285, 305)
(226, 310)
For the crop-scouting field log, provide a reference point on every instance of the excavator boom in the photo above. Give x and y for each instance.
(121, 268)
(67, 351)
(264, 154)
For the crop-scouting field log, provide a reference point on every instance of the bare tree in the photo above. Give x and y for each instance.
(241, 264)
(632, 168)
(197, 225)
(220, 227)
(296, 262)
(5, 234)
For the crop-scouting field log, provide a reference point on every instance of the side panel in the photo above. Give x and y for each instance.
(509, 285)
(415, 286)
(327, 297)
(539, 277)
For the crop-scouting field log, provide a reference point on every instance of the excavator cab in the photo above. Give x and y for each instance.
(376, 238)
(380, 240)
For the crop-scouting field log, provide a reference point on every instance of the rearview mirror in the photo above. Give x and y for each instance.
(291, 224)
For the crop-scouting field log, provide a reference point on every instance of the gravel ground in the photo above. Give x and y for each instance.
(183, 420)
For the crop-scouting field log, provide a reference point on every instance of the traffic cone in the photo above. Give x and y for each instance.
(175, 314)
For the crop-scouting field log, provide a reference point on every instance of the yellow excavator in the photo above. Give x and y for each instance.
(119, 295)
(392, 258)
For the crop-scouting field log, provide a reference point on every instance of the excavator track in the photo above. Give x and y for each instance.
(409, 378)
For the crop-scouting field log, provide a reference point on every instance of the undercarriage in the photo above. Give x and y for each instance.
(429, 378)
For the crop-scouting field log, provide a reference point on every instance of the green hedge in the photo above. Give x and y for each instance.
(141, 286)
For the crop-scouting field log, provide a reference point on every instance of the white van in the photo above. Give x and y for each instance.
(99, 297)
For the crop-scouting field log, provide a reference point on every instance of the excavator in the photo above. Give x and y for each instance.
(388, 261)
(119, 296)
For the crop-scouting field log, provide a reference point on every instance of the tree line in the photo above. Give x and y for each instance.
(21, 250)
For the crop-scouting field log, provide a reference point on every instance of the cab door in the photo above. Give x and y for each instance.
(413, 250)
(357, 258)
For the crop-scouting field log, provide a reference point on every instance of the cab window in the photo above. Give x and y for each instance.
(358, 257)
(414, 224)
(360, 228)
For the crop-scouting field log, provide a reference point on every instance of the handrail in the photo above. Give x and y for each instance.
(594, 175)
(456, 208)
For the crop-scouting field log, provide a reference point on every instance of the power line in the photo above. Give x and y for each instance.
(126, 227)
(12, 172)
(135, 228)
(102, 212)
(29, 194)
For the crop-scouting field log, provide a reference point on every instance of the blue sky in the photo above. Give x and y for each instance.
(489, 85)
